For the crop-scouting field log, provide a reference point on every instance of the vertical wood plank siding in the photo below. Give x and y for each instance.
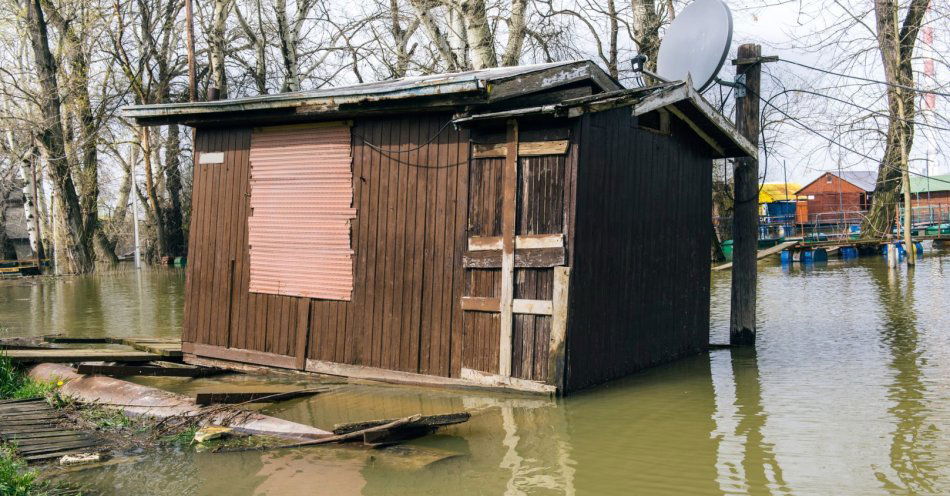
(640, 278)
(408, 238)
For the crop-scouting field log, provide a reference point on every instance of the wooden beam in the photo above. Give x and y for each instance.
(255, 397)
(532, 307)
(239, 355)
(478, 304)
(523, 241)
(125, 370)
(492, 380)
(538, 258)
(699, 132)
(556, 349)
(508, 207)
(526, 149)
(303, 333)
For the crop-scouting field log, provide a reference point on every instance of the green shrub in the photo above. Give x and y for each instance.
(15, 384)
(15, 478)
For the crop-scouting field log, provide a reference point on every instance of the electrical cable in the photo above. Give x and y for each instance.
(833, 141)
(869, 80)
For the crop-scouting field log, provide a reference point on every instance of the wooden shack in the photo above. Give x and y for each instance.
(837, 196)
(537, 227)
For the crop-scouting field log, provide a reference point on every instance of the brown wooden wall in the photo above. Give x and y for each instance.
(640, 278)
(410, 186)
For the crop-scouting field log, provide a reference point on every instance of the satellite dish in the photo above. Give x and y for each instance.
(696, 43)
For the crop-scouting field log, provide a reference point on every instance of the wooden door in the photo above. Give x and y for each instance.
(515, 274)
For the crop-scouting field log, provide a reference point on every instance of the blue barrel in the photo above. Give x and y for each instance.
(848, 252)
(920, 247)
(808, 256)
(787, 257)
(820, 255)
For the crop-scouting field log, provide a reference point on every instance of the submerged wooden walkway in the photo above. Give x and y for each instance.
(32, 428)
(142, 350)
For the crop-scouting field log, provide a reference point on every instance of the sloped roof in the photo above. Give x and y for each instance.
(933, 184)
(866, 180)
(479, 86)
(773, 192)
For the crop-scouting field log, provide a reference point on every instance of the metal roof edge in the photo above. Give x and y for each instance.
(286, 100)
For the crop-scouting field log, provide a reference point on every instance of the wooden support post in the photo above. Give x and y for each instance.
(556, 354)
(745, 227)
(190, 42)
(508, 205)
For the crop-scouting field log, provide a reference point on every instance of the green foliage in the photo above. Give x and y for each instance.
(109, 419)
(15, 384)
(183, 438)
(15, 478)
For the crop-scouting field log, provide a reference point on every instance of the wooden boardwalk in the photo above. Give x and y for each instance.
(763, 253)
(32, 427)
(139, 350)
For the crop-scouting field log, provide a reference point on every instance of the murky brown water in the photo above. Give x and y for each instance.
(848, 393)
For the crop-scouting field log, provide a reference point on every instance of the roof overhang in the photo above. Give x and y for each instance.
(678, 98)
(437, 92)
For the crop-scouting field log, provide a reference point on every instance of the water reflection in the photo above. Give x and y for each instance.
(121, 303)
(914, 438)
(749, 465)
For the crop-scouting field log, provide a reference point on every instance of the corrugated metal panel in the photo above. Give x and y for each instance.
(301, 201)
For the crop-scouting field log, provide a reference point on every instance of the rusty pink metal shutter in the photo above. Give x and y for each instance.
(301, 209)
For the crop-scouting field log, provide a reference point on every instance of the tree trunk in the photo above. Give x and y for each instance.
(155, 208)
(219, 17)
(516, 33)
(646, 30)
(896, 42)
(435, 35)
(477, 31)
(52, 137)
(288, 48)
(175, 237)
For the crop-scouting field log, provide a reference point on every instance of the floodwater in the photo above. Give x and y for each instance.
(847, 392)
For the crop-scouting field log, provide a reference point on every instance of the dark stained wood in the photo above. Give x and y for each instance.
(253, 397)
(648, 301)
(125, 370)
(433, 421)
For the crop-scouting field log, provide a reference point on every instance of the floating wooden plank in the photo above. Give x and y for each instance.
(76, 340)
(535, 258)
(263, 397)
(81, 355)
(127, 370)
(427, 421)
(525, 149)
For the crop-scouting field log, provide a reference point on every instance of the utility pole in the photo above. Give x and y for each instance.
(745, 221)
(190, 34)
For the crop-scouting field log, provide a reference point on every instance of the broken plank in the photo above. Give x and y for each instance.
(128, 370)
(424, 421)
(525, 149)
(264, 397)
(534, 258)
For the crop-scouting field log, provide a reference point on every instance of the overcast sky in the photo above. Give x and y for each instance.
(806, 155)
